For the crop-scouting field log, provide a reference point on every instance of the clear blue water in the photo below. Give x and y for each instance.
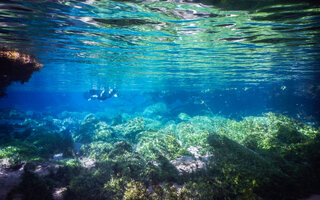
(217, 99)
(239, 58)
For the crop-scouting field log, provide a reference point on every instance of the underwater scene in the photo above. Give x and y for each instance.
(159, 99)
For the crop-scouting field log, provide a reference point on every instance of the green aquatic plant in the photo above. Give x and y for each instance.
(167, 172)
(258, 153)
(266, 157)
(272, 131)
(170, 192)
(192, 135)
(184, 117)
(135, 190)
(152, 143)
(114, 189)
(120, 148)
(85, 187)
(130, 129)
(127, 163)
(40, 143)
(49, 143)
(239, 166)
(18, 151)
(91, 129)
(98, 150)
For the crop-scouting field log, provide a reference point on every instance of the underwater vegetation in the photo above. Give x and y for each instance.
(15, 66)
(145, 156)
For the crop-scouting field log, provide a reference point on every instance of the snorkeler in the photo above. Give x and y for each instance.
(102, 94)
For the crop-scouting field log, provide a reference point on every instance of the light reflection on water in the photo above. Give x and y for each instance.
(152, 44)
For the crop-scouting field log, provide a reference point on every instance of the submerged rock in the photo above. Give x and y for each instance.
(130, 129)
(58, 156)
(191, 164)
(91, 129)
(188, 164)
(16, 66)
(11, 178)
(87, 162)
(58, 193)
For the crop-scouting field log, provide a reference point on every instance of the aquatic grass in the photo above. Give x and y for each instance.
(254, 158)
(152, 143)
(17, 151)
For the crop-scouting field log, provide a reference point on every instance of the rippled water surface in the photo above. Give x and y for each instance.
(158, 44)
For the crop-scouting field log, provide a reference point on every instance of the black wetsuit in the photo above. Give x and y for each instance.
(102, 94)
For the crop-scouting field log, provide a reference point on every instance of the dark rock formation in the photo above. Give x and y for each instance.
(15, 66)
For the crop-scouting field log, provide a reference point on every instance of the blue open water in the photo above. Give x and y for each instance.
(240, 59)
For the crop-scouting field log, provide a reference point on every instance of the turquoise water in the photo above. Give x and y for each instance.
(230, 85)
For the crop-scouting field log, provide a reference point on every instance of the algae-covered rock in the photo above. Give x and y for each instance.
(86, 130)
(130, 129)
(191, 135)
(97, 150)
(203, 123)
(152, 124)
(272, 131)
(261, 152)
(152, 143)
(85, 186)
(136, 191)
(266, 157)
(91, 129)
(244, 169)
(17, 151)
(114, 189)
(188, 164)
(14, 67)
(120, 148)
(35, 140)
